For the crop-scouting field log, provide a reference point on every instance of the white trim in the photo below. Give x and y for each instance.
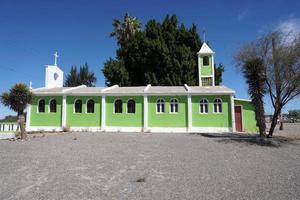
(207, 76)
(242, 121)
(232, 113)
(187, 88)
(50, 103)
(103, 114)
(160, 105)
(28, 116)
(45, 128)
(73, 88)
(109, 88)
(199, 69)
(167, 130)
(85, 129)
(213, 70)
(218, 110)
(212, 129)
(207, 103)
(147, 88)
(190, 114)
(239, 99)
(145, 113)
(64, 111)
(174, 103)
(75, 104)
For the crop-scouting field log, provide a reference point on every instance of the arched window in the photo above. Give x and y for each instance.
(131, 106)
(160, 106)
(217, 105)
(203, 106)
(118, 106)
(174, 106)
(41, 107)
(53, 106)
(205, 60)
(78, 106)
(90, 106)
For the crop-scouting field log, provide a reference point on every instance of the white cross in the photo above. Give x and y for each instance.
(55, 58)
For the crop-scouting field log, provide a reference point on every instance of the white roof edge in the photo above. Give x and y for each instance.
(147, 88)
(187, 88)
(205, 49)
(38, 89)
(109, 88)
(240, 99)
(73, 88)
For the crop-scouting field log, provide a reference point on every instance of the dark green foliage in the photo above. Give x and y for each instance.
(254, 73)
(83, 77)
(218, 73)
(295, 114)
(161, 54)
(17, 98)
(9, 118)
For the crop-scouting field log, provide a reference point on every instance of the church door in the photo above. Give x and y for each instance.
(238, 118)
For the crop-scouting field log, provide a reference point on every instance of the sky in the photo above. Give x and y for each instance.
(31, 31)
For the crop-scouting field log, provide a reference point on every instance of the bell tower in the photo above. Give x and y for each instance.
(54, 76)
(206, 70)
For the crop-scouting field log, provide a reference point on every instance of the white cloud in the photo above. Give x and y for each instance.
(242, 15)
(290, 27)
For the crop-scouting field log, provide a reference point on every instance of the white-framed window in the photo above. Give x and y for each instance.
(41, 106)
(205, 60)
(160, 106)
(174, 106)
(118, 106)
(130, 106)
(52, 106)
(90, 106)
(203, 106)
(218, 105)
(78, 106)
(206, 81)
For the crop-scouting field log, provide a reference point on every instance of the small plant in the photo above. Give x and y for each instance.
(66, 129)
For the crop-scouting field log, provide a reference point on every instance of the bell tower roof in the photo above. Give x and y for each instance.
(205, 49)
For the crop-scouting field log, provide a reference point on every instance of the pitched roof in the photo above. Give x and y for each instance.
(205, 49)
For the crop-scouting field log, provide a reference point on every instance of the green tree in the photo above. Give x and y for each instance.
(17, 99)
(160, 54)
(254, 73)
(295, 114)
(219, 70)
(81, 77)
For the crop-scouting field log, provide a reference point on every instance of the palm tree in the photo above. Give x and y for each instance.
(83, 77)
(254, 73)
(126, 29)
(17, 99)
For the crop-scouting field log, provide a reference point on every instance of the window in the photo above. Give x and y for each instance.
(53, 106)
(217, 105)
(90, 106)
(174, 105)
(41, 107)
(160, 106)
(131, 106)
(205, 60)
(203, 106)
(78, 106)
(118, 106)
(206, 81)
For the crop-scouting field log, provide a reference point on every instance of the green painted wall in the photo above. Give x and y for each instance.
(211, 119)
(167, 119)
(124, 119)
(46, 118)
(248, 116)
(206, 70)
(83, 119)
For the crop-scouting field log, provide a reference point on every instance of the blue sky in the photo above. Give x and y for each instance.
(79, 30)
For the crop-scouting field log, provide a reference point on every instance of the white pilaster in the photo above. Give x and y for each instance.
(199, 69)
(190, 120)
(64, 111)
(145, 113)
(28, 115)
(232, 113)
(213, 70)
(103, 114)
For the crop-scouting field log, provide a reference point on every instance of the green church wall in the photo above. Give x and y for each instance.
(46, 118)
(206, 70)
(124, 119)
(248, 116)
(83, 119)
(211, 119)
(167, 119)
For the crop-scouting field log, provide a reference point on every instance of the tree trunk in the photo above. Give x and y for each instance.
(274, 122)
(21, 121)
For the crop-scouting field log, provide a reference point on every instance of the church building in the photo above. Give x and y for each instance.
(203, 108)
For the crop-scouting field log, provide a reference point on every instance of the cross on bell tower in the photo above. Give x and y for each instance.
(55, 58)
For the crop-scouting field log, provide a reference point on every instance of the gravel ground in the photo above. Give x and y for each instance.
(149, 166)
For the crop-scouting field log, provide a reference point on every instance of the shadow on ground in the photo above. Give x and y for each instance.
(250, 139)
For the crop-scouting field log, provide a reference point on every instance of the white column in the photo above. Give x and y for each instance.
(145, 113)
(190, 120)
(213, 70)
(199, 70)
(28, 115)
(103, 112)
(64, 111)
(232, 113)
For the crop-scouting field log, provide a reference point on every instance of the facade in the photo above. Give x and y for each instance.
(203, 108)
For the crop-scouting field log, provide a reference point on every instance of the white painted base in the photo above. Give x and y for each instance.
(211, 130)
(166, 130)
(44, 128)
(4, 136)
(86, 129)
